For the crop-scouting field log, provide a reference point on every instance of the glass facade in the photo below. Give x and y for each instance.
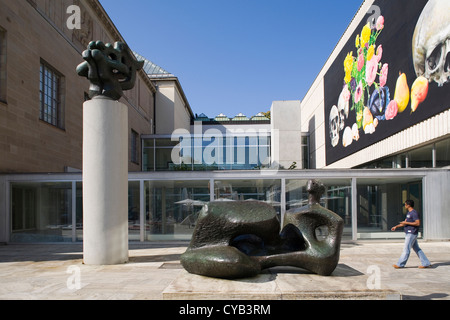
(206, 153)
(433, 155)
(167, 208)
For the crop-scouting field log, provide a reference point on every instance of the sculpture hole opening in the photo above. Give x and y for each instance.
(112, 56)
(321, 233)
(249, 244)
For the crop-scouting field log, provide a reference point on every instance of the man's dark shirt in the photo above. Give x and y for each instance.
(412, 216)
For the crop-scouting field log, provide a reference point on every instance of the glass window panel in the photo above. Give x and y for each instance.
(253, 141)
(443, 153)
(172, 208)
(209, 153)
(421, 157)
(197, 155)
(163, 159)
(79, 212)
(41, 212)
(165, 143)
(337, 198)
(134, 147)
(134, 225)
(149, 159)
(268, 190)
(380, 205)
(49, 96)
(149, 143)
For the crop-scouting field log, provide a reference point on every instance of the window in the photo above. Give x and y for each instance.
(34, 203)
(442, 153)
(207, 152)
(51, 109)
(134, 147)
(435, 155)
(2, 65)
(305, 151)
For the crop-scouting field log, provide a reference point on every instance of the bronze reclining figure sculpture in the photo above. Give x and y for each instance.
(239, 239)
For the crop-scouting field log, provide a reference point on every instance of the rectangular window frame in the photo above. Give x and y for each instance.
(134, 147)
(51, 107)
(3, 75)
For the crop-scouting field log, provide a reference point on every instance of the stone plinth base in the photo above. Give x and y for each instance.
(279, 284)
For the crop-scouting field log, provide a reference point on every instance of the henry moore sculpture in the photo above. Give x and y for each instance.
(111, 69)
(239, 239)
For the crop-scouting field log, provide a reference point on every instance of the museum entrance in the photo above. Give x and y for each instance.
(165, 206)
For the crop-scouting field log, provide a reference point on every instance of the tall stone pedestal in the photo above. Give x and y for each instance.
(105, 182)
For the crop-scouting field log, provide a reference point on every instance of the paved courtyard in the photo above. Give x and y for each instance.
(56, 272)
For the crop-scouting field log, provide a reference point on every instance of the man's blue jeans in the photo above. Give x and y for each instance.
(411, 242)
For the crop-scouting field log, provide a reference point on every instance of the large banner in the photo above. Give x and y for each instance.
(393, 73)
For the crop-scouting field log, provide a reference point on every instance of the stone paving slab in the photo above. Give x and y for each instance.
(50, 271)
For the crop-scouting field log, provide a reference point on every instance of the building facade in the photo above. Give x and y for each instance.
(370, 128)
(42, 97)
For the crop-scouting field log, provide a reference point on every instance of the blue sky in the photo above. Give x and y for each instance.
(235, 56)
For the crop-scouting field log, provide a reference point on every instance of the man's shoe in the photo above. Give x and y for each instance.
(396, 266)
(424, 267)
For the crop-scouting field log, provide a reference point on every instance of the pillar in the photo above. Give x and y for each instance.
(105, 182)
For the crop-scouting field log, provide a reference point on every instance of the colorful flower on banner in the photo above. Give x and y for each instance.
(360, 75)
(364, 69)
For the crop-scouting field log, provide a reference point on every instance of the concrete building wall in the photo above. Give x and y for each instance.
(172, 109)
(286, 136)
(182, 115)
(436, 205)
(140, 118)
(420, 134)
(164, 110)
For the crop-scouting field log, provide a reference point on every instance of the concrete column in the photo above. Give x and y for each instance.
(286, 133)
(105, 182)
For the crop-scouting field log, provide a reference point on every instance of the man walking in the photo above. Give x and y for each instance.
(411, 227)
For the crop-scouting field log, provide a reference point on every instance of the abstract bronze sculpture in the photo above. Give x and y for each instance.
(110, 69)
(239, 239)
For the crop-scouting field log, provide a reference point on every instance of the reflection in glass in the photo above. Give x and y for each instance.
(207, 152)
(267, 190)
(443, 153)
(172, 208)
(134, 225)
(380, 206)
(79, 211)
(41, 212)
(337, 198)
